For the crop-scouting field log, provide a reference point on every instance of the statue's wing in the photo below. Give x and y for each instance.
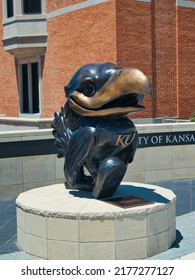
(61, 133)
(79, 147)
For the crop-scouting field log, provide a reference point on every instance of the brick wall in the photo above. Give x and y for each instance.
(186, 56)
(80, 37)
(165, 63)
(8, 81)
(134, 46)
(60, 4)
(156, 37)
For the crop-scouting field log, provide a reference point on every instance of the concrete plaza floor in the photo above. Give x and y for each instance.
(183, 248)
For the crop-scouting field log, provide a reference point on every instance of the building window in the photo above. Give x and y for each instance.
(10, 8)
(29, 88)
(32, 6)
(35, 87)
(25, 90)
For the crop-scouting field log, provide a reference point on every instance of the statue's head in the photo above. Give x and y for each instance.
(107, 90)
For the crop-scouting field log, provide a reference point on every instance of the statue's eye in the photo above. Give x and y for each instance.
(87, 88)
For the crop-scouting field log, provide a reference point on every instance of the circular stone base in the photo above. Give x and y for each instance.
(56, 223)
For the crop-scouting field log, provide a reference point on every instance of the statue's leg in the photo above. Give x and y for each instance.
(110, 174)
(79, 147)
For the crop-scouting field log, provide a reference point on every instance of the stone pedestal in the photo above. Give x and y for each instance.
(56, 223)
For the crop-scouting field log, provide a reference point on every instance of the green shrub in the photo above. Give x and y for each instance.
(192, 117)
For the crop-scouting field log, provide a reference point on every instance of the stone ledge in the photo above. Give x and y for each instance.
(56, 201)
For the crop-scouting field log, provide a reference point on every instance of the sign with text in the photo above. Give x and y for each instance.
(166, 139)
(46, 146)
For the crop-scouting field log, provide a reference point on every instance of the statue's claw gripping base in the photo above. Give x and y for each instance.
(92, 130)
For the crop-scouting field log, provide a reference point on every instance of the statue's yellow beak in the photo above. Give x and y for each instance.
(120, 95)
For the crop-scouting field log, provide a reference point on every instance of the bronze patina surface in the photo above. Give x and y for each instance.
(93, 132)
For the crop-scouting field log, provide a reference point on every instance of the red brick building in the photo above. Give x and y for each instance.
(45, 41)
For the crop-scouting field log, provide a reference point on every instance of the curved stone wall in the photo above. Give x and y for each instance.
(55, 223)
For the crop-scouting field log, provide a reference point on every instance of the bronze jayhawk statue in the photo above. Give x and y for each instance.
(93, 132)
